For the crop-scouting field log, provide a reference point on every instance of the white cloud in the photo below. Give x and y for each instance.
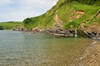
(20, 9)
(18, 15)
(42, 4)
(39, 2)
(5, 2)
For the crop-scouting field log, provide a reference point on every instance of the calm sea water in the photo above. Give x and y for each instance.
(27, 49)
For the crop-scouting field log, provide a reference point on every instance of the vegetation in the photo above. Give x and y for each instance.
(8, 25)
(67, 12)
(90, 2)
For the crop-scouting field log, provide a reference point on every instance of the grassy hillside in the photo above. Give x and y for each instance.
(70, 12)
(9, 25)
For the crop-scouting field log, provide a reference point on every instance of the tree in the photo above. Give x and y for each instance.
(90, 2)
(1, 28)
(27, 21)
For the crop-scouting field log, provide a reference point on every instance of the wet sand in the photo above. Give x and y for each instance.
(91, 55)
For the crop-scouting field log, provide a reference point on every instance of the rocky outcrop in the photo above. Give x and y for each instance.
(92, 31)
(37, 29)
(19, 28)
(54, 32)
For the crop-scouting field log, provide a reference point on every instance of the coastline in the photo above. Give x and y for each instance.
(91, 55)
(63, 32)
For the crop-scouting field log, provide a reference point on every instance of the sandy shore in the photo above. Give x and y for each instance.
(91, 55)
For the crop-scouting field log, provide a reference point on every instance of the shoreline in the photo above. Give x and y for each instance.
(64, 33)
(91, 55)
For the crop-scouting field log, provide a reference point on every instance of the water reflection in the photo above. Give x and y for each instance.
(28, 49)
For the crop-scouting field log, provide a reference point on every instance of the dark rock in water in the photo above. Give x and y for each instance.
(19, 29)
(54, 32)
(60, 33)
(64, 33)
(96, 38)
(93, 35)
(47, 31)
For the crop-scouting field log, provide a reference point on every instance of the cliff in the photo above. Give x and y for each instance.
(74, 15)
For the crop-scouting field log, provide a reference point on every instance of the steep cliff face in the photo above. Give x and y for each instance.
(67, 14)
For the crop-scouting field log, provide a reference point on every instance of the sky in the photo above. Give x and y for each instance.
(18, 10)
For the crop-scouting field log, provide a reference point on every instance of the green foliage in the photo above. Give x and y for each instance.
(27, 20)
(9, 25)
(43, 21)
(72, 25)
(90, 2)
(1, 28)
(65, 9)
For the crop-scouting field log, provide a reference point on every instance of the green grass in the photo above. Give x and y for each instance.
(9, 25)
(65, 10)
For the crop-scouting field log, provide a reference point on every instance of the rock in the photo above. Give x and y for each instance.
(61, 33)
(19, 28)
(37, 29)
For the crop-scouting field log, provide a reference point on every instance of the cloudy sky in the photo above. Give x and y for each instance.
(17, 10)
